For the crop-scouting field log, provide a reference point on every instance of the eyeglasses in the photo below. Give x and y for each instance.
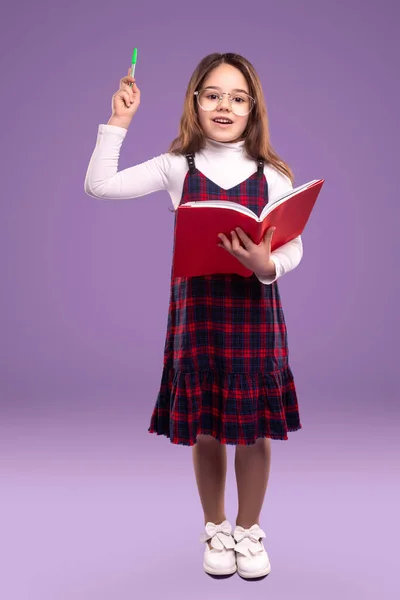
(241, 103)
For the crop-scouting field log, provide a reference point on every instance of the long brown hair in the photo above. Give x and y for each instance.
(256, 135)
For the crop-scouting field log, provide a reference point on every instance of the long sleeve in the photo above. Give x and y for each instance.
(288, 256)
(103, 180)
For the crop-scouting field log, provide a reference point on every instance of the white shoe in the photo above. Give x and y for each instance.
(220, 559)
(251, 557)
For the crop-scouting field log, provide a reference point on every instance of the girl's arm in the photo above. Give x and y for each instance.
(103, 180)
(287, 257)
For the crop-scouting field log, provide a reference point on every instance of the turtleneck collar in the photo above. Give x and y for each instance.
(227, 146)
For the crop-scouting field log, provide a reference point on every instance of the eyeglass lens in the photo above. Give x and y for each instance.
(241, 103)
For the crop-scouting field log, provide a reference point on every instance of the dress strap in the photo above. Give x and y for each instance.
(190, 160)
(260, 167)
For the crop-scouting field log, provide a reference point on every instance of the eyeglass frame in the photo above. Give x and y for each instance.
(221, 94)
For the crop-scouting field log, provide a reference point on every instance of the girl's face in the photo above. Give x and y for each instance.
(224, 78)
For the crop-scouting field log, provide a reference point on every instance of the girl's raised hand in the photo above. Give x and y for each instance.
(126, 99)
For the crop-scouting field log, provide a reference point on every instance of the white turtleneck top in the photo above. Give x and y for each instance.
(225, 164)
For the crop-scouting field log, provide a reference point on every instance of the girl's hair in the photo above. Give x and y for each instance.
(256, 135)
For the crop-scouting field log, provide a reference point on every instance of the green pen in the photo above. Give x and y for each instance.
(134, 58)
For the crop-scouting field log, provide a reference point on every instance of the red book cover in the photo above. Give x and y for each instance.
(196, 250)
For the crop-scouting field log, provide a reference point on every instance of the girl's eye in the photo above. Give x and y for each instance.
(212, 96)
(238, 99)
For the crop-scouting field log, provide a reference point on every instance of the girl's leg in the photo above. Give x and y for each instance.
(252, 466)
(209, 460)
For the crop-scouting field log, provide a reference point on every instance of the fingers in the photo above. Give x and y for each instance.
(126, 92)
(235, 242)
(127, 76)
(128, 98)
(235, 246)
(127, 81)
(127, 95)
(269, 233)
(246, 241)
(225, 242)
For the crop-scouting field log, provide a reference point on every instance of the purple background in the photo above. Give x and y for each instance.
(92, 505)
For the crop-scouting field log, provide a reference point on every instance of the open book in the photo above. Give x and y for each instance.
(196, 250)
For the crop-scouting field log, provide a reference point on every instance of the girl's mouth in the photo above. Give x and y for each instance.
(222, 122)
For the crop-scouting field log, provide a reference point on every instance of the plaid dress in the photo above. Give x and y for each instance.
(225, 369)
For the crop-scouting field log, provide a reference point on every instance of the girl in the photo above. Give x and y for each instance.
(226, 377)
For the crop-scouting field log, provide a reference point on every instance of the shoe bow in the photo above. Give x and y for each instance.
(220, 535)
(248, 539)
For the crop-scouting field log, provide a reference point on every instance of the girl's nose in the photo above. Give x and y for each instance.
(224, 103)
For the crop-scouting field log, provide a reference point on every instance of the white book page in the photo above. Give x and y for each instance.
(223, 204)
(283, 197)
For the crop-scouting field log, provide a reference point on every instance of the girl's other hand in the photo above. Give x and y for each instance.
(255, 257)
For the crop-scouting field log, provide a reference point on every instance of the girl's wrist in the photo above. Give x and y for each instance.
(119, 122)
(270, 270)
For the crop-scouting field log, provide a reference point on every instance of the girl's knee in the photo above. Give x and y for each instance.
(205, 438)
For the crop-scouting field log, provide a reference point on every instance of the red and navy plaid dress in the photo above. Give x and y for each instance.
(225, 370)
